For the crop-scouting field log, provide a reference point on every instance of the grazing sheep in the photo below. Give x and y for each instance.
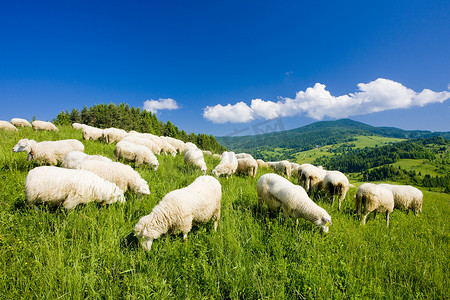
(227, 166)
(48, 152)
(113, 135)
(207, 152)
(144, 141)
(74, 158)
(18, 122)
(166, 147)
(278, 192)
(406, 197)
(137, 153)
(243, 155)
(373, 198)
(294, 167)
(179, 145)
(336, 183)
(194, 157)
(180, 209)
(190, 145)
(261, 163)
(7, 126)
(92, 133)
(217, 156)
(311, 177)
(122, 175)
(247, 166)
(78, 126)
(55, 185)
(281, 167)
(43, 125)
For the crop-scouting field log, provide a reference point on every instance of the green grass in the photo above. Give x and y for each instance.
(362, 141)
(89, 252)
(418, 165)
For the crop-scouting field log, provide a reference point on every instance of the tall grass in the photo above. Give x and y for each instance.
(89, 252)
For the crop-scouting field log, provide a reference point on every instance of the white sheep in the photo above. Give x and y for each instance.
(78, 126)
(227, 166)
(55, 185)
(137, 153)
(179, 145)
(207, 152)
(122, 175)
(48, 152)
(373, 198)
(194, 157)
(190, 145)
(281, 167)
(144, 141)
(7, 126)
(294, 167)
(247, 166)
(74, 158)
(217, 156)
(92, 133)
(311, 177)
(43, 125)
(113, 135)
(261, 163)
(406, 197)
(336, 183)
(243, 155)
(166, 147)
(18, 122)
(180, 209)
(279, 193)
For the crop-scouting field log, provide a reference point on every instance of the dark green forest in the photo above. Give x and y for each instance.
(123, 117)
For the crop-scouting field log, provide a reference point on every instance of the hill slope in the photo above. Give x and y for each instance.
(316, 134)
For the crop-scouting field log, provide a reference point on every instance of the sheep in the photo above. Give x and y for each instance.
(207, 152)
(137, 153)
(311, 177)
(179, 145)
(278, 192)
(373, 198)
(43, 125)
(217, 156)
(144, 141)
(227, 166)
(112, 135)
(55, 185)
(180, 209)
(166, 147)
(194, 157)
(122, 175)
(261, 163)
(294, 167)
(336, 183)
(48, 152)
(406, 197)
(78, 126)
(247, 166)
(281, 167)
(74, 158)
(190, 145)
(7, 126)
(243, 155)
(18, 122)
(92, 133)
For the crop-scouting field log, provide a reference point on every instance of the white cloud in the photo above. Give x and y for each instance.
(155, 105)
(237, 113)
(317, 103)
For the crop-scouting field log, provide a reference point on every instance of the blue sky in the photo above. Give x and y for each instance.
(230, 65)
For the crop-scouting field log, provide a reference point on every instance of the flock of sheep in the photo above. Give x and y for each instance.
(84, 178)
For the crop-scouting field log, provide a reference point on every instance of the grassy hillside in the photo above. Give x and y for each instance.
(308, 137)
(89, 252)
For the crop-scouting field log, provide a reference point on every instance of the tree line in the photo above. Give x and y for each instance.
(123, 117)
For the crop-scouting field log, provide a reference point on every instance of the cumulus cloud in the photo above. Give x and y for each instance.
(237, 113)
(155, 105)
(317, 103)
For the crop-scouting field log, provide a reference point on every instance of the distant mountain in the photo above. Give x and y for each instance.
(316, 134)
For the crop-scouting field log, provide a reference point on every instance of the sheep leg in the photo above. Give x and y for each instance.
(364, 219)
(387, 218)
(374, 215)
(71, 201)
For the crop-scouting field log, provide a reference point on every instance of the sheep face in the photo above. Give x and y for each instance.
(146, 243)
(324, 223)
(155, 167)
(214, 173)
(143, 190)
(22, 145)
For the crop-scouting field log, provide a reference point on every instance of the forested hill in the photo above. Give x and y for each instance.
(317, 134)
(123, 117)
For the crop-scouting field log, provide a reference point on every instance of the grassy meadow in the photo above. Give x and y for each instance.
(90, 252)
